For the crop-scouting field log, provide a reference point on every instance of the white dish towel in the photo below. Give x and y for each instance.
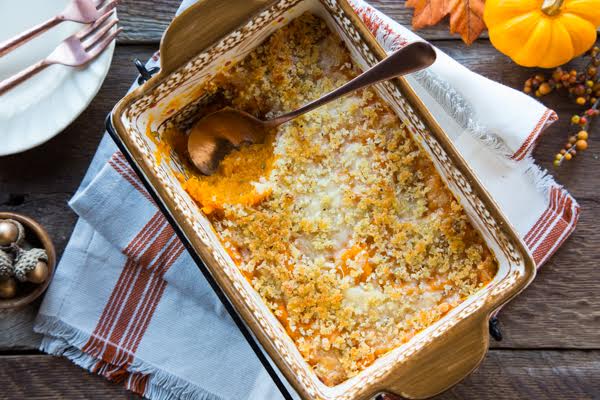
(127, 301)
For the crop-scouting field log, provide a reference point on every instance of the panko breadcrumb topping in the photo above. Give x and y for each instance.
(340, 222)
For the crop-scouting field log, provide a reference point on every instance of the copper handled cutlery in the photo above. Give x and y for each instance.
(83, 11)
(76, 50)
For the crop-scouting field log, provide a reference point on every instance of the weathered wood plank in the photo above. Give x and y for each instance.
(532, 375)
(504, 374)
(144, 21)
(16, 329)
(46, 377)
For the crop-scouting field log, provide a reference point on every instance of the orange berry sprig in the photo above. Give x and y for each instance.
(578, 141)
(583, 87)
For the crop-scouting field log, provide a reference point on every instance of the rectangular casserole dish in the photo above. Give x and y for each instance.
(215, 33)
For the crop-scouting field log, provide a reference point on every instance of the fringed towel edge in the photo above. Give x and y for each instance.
(62, 339)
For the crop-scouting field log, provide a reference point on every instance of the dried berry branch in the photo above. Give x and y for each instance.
(578, 141)
(583, 88)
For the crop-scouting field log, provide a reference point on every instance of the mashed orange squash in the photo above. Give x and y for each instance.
(233, 182)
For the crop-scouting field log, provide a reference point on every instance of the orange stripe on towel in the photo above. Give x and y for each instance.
(117, 161)
(548, 116)
(565, 220)
(555, 211)
(139, 243)
(535, 229)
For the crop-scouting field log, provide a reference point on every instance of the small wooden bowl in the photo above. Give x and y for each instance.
(37, 236)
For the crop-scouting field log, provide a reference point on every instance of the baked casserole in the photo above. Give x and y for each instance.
(339, 220)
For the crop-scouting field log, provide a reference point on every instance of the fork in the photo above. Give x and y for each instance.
(83, 11)
(76, 50)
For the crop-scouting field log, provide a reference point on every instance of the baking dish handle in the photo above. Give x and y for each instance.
(200, 26)
(443, 363)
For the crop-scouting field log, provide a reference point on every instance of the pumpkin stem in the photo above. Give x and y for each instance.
(552, 7)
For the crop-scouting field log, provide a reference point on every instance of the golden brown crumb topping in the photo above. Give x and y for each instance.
(341, 222)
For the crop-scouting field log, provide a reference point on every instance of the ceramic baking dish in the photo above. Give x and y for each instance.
(214, 33)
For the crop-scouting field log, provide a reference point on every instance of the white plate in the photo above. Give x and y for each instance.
(41, 107)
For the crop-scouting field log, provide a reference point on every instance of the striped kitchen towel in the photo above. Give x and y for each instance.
(127, 301)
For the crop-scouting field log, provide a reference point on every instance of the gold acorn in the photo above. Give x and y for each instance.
(11, 233)
(39, 273)
(32, 263)
(8, 288)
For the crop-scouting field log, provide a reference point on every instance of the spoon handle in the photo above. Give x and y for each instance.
(411, 58)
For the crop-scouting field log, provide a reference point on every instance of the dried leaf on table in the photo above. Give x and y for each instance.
(466, 16)
(428, 12)
(466, 19)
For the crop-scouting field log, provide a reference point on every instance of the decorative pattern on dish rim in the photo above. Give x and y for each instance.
(185, 76)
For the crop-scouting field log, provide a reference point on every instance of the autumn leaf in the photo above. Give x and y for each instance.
(466, 19)
(428, 12)
(466, 16)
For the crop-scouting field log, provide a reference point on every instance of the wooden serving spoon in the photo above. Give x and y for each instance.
(215, 135)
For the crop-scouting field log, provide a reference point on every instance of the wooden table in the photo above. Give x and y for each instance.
(551, 346)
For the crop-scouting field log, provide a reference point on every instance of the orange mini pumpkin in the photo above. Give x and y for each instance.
(542, 33)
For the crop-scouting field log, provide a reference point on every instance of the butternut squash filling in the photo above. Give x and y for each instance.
(340, 222)
(234, 182)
